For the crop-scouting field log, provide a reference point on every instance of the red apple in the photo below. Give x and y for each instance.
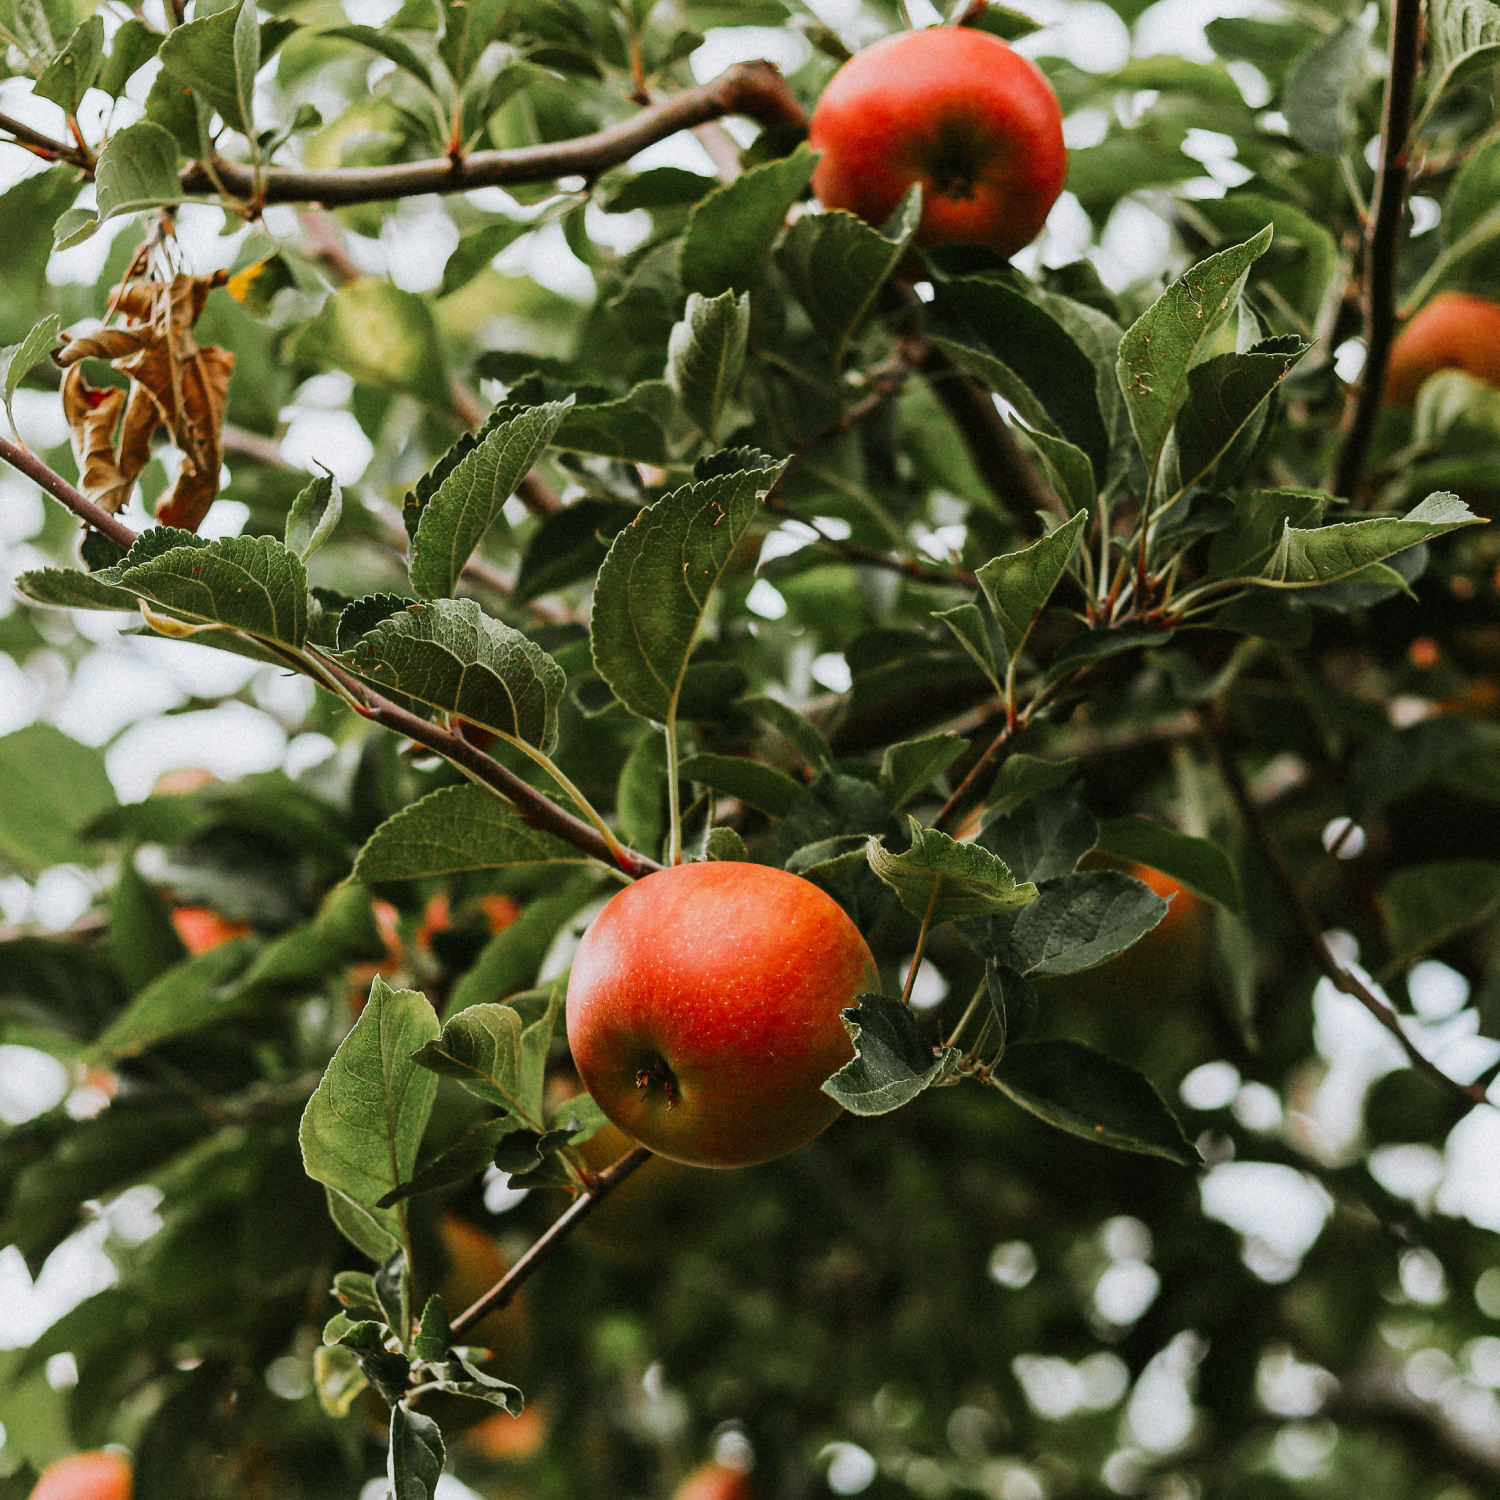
(1455, 331)
(85, 1476)
(957, 111)
(703, 1010)
(714, 1482)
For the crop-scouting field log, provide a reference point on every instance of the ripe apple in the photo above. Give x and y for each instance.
(703, 1010)
(1455, 331)
(201, 929)
(955, 110)
(714, 1482)
(85, 1476)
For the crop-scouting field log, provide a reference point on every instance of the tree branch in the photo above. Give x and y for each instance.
(1216, 733)
(753, 89)
(1382, 236)
(44, 145)
(534, 807)
(19, 457)
(1002, 464)
(581, 1207)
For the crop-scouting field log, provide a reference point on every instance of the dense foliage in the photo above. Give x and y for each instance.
(1123, 667)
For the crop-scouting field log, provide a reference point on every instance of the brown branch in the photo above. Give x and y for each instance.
(534, 807)
(754, 89)
(1002, 464)
(54, 484)
(978, 779)
(35, 140)
(1217, 734)
(1383, 236)
(581, 1207)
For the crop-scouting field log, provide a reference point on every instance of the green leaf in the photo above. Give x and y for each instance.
(17, 361)
(188, 997)
(430, 1344)
(706, 356)
(1425, 905)
(1170, 337)
(1022, 777)
(835, 265)
(630, 430)
(1076, 922)
(1019, 584)
(1261, 517)
(1224, 394)
(397, 51)
(1199, 864)
(908, 768)
(362, 1126)
(466, 1379)
(951, 881)
(892, 1063)
(69, 588)
(470, 498)
(217, 57)
(343, 932)
(730, 233)
(1067, 469)
(414, 1461)
(142, 940)
(569, 545)
(478, 248)
(481, 1048)
(450, 655)
(339, 1378)
(966, 621)
(1318, 98)
(1017, 346)
(248, 583)
(465, 1158)
(654, 586)
(999, 20)
(72, 72)
(134, 45)
(726, 844)
(54, 788)
(759, 786)
(511, 960)
(314, 516)
(796, 729)
(1043, 836)
(1345, 549)
(379, 334)
(1463, 37)
(137, 169)
(1085, 1093)
(457, 828)
(659, 187)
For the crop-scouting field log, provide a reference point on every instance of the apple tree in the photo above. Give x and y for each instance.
(1090, 625)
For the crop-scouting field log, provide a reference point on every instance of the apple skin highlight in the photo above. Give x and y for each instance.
(704, 1010)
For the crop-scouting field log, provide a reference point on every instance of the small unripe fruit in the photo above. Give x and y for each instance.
(714, 1482)
(85, 1476)
(703, 1010)
(1455, 331)
(956, 110)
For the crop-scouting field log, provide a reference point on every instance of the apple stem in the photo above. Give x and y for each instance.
(674, 799)
(916, 958)
(581, 1207)
(958, 1030)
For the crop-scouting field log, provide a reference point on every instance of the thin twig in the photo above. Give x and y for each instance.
(1383, 236)
(1216, 733)
(581, 1207)
(754, 89)
(534, 807)
(977, 780)
(59, 488)
(35, 140)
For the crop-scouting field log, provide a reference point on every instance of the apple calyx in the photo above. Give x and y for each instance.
(658, 1075)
